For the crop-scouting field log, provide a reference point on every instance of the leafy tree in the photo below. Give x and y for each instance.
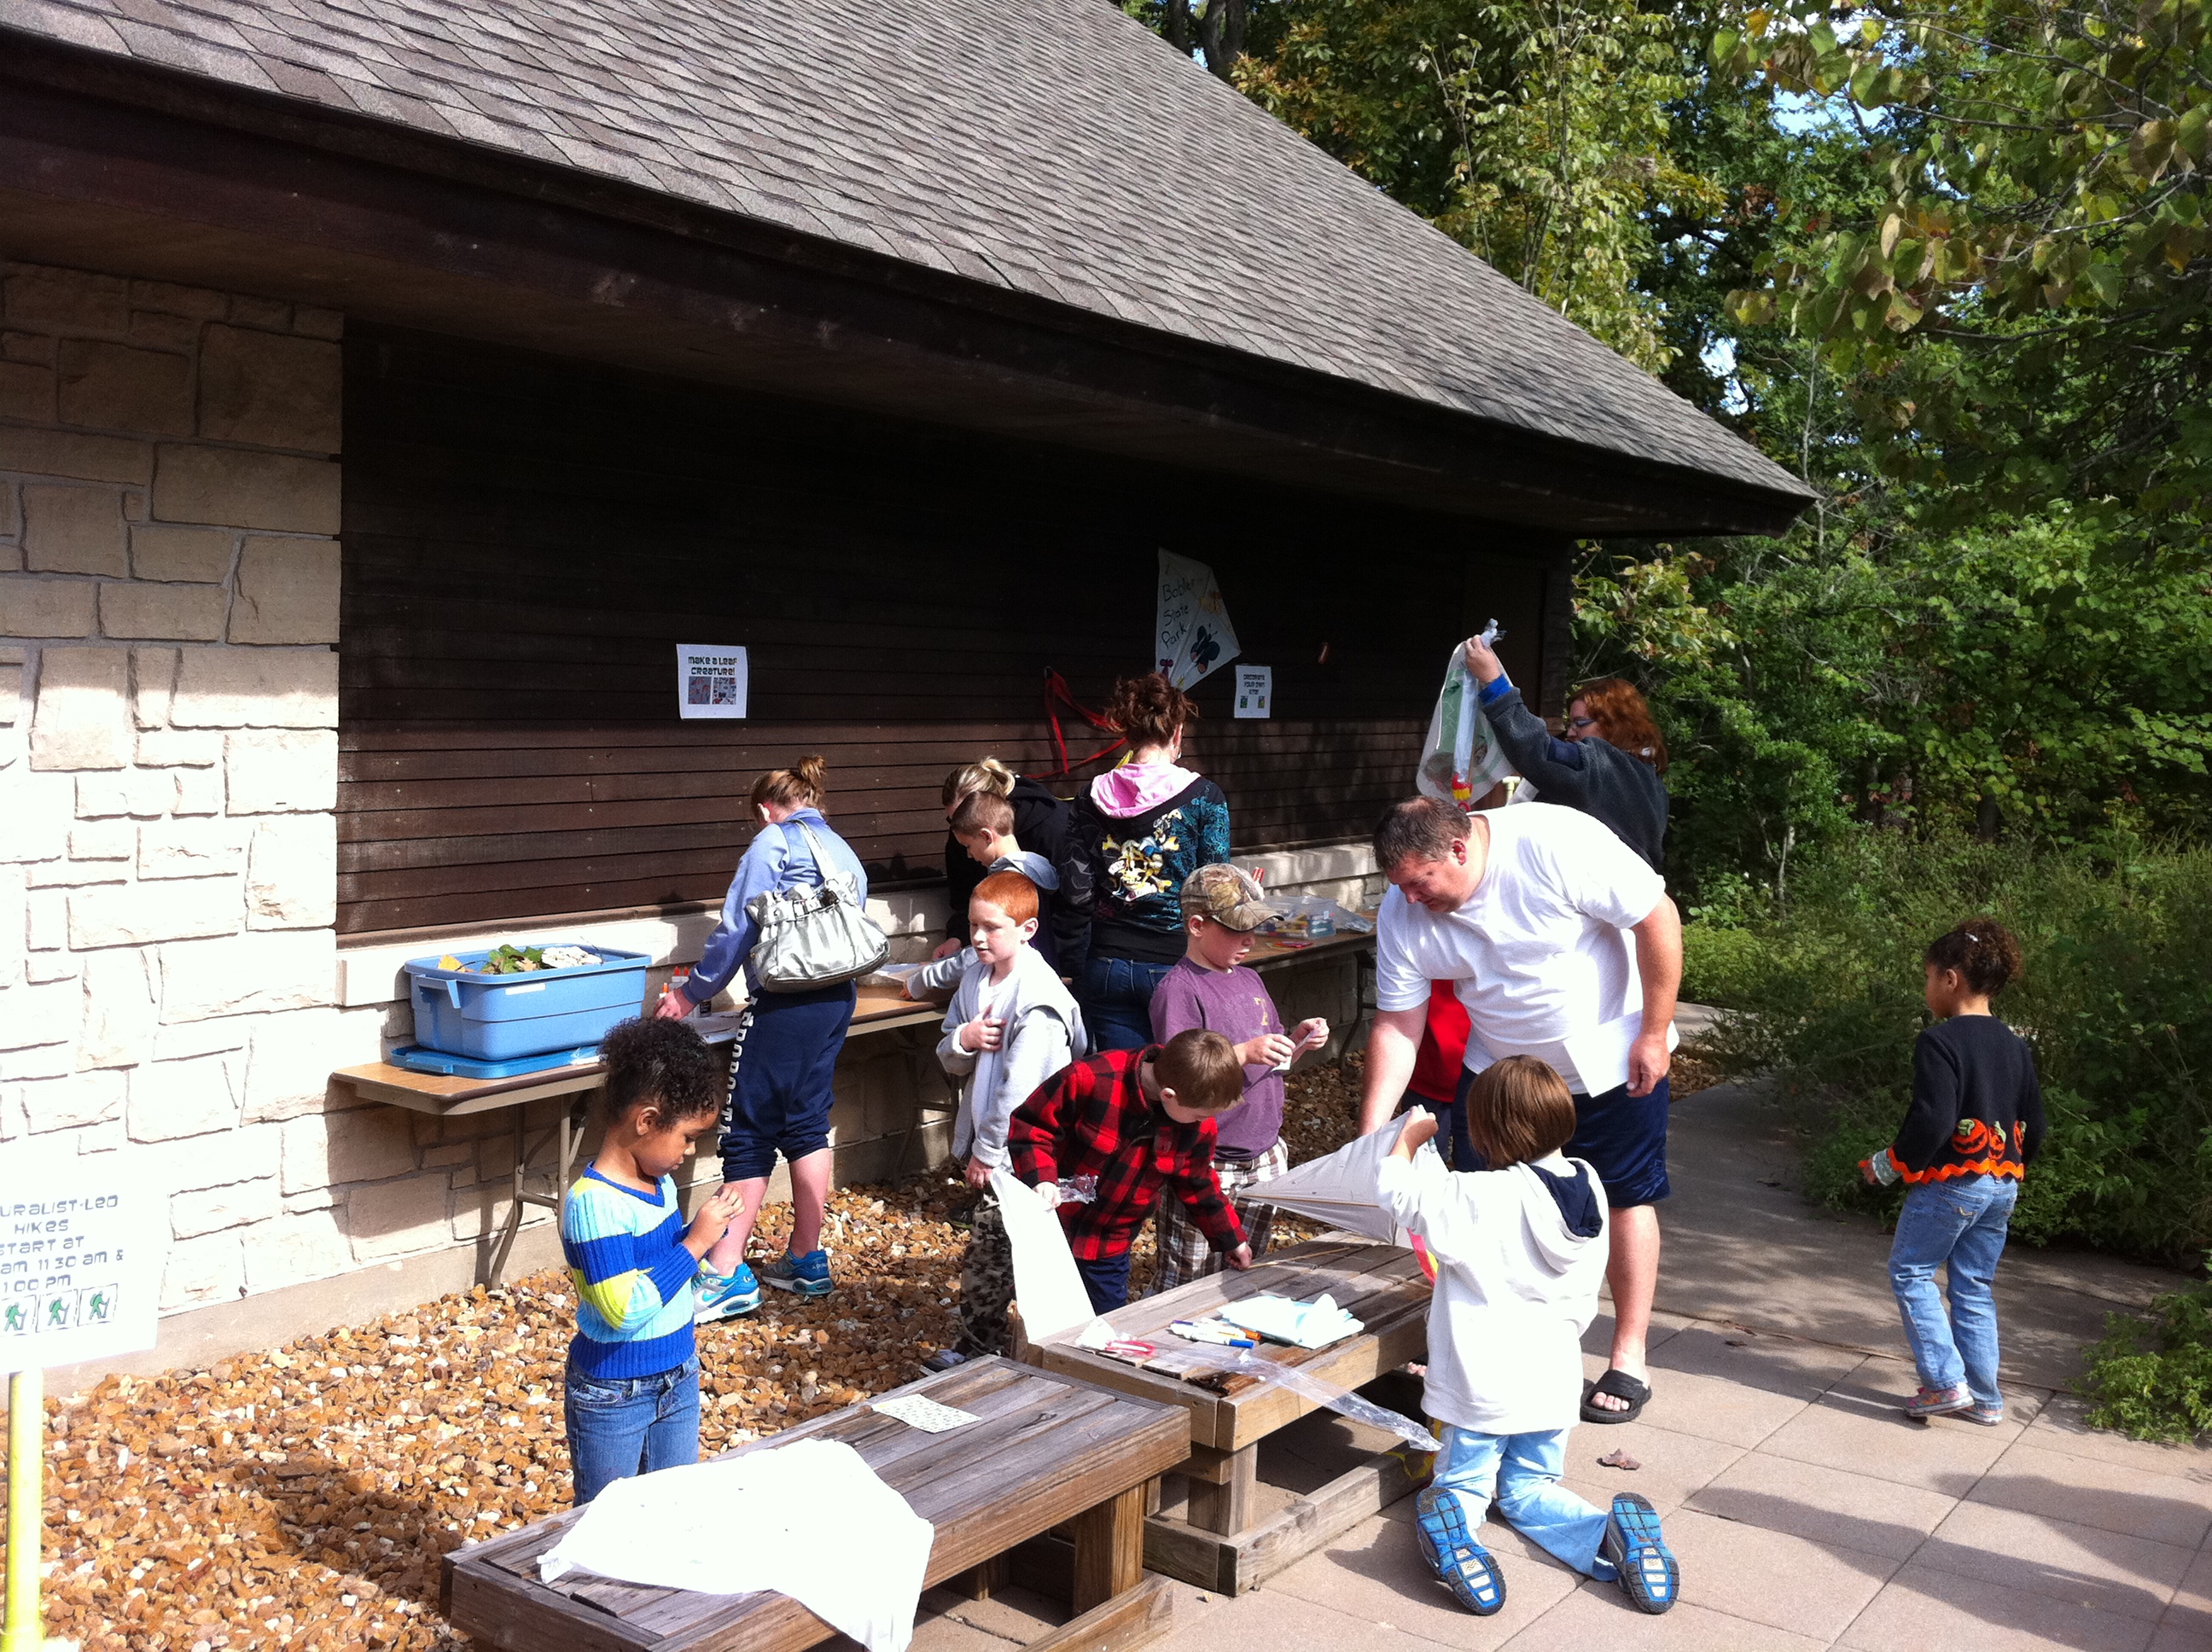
(2024, 311)
(1535, 132)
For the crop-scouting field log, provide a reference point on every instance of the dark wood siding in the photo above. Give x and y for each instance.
(527, 538)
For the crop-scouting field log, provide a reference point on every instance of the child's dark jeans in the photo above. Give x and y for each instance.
(1106, 1278)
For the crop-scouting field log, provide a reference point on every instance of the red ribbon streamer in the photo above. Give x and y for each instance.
(1057, 693)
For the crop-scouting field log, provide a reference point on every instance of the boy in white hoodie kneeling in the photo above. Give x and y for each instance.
(1519, 1252)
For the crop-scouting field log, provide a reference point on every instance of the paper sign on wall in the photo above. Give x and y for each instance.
(1256, 690)
(81, 1252)
(1193, 636)
(710, 681)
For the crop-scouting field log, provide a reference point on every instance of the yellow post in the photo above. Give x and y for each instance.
(27, 1460)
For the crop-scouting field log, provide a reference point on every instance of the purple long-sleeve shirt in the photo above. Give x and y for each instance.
(1235, 1003)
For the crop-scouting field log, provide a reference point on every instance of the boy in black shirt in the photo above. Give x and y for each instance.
(1975, 1122)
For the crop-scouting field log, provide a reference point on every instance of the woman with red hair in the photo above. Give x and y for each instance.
(1608, 766)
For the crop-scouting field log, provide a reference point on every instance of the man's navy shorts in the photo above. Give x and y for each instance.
(1624, 1137)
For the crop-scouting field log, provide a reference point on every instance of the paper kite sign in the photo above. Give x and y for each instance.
(1192, 634)
(80, 1256)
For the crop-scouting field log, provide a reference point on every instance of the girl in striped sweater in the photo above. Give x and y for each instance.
(632, 1404)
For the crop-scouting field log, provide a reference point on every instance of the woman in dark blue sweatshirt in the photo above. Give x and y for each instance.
(1608, 766)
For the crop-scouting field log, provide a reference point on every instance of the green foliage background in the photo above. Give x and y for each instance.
(1951, 262)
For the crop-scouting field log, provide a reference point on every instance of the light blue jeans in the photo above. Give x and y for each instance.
(623, 1425)
(1962, 1223)
(1521, 1472)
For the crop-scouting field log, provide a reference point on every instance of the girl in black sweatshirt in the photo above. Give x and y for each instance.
(1975, 1123)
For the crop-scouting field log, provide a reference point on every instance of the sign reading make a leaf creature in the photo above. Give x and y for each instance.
(1193, 635)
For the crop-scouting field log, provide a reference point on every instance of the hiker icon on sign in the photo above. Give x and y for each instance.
(15, 1317)
(100, 1306)
(60, 1311)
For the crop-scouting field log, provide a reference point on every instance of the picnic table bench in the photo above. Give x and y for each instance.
(1050, 1450)
(1220, 1544)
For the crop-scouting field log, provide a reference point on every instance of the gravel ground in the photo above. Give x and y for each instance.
(302, 1499)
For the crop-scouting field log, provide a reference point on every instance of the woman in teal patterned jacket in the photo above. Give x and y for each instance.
(1138, 832)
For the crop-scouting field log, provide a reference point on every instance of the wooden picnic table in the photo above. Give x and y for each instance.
(1049, 1450)
(1219, 1545)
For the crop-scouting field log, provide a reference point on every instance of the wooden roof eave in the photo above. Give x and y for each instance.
(119, 165)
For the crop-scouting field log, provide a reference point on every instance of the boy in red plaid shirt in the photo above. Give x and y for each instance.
(1136, 1121)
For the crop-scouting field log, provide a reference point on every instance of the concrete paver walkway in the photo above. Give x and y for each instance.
(1807, 1511)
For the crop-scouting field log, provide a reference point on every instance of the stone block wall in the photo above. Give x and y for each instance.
(169, 765)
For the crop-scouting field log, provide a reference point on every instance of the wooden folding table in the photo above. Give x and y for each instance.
(1049, 1450)
(878, 1010)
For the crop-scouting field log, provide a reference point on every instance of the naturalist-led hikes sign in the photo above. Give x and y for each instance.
(80, 1256)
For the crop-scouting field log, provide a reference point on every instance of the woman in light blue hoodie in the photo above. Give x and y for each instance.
(785, 1054)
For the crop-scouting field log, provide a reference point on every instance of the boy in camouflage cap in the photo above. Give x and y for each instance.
(1211, 987)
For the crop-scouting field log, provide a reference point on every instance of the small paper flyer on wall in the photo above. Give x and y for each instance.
(1256, 690)
(1193, 637)
(710, 680)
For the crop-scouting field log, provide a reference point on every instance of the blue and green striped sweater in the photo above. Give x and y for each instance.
(633, 1278)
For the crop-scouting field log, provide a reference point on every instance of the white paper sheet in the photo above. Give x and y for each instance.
(1340, 1189)
(1046, 1284)
(917, 1411)
(791, 1520)
(1600, 1054)
(1256, 690)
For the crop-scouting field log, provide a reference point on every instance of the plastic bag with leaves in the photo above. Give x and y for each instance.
(1461, 760)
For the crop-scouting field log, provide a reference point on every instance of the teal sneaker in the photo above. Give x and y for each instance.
(724, 1295)
(808, 1275)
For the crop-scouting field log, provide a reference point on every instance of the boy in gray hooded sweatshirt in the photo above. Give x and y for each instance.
(1520, 1250)
(1012, 1025)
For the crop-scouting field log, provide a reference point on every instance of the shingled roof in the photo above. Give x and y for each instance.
(1054, 148)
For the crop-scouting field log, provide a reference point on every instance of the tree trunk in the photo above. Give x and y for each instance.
(1989, 819)
(1221, 33)
(1175, 24)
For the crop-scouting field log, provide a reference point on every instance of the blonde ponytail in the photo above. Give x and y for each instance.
(989, 776)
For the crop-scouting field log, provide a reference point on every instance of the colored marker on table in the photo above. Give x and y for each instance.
(1205, 1331)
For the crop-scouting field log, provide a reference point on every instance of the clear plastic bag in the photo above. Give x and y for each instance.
(1460, 760)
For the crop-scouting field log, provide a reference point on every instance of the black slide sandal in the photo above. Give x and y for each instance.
(1620, 1386)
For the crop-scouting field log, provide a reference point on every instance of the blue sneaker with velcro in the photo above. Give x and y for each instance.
(808, 1275)
(724, 1295)
(1463, 1565)
(1642, 1563)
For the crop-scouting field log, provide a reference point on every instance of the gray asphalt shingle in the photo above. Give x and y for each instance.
(1053, 146)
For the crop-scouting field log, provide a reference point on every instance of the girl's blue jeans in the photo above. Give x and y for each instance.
(1521, 1472)
(624, 1425)
(1961, 1224)
(1116, 995)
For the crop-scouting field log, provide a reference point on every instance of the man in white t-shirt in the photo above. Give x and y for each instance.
(1562, 944)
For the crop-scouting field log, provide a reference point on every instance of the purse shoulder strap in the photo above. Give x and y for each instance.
(814, 847)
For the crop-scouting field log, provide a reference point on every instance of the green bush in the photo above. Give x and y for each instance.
(2117, 997)
(2155, 1381)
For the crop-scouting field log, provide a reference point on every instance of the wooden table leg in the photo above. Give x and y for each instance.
(1226, 1508)
(981, 1582)
(1109, 1549)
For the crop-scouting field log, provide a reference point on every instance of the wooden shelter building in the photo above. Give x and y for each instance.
(387, 386)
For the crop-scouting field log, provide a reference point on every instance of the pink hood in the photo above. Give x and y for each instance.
(1134, 787)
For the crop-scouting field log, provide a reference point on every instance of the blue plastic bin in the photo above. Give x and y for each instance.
(497, 1017)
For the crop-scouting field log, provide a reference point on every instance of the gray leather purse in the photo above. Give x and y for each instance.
(812, 935)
